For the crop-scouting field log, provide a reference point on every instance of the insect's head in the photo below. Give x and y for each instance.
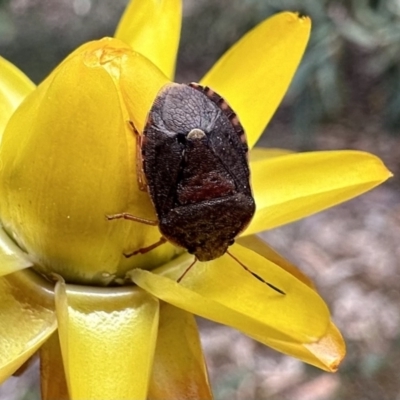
(211, 249)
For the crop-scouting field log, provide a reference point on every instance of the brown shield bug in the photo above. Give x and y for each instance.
(193, 161)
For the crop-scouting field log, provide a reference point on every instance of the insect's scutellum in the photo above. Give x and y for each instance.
(192, 158)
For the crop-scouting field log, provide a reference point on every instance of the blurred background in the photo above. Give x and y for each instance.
(346, 95)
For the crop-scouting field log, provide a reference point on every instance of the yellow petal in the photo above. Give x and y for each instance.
(81, 154)
(27, 318)
(330, 349)
(295, 186)
(221, 290)
(152, 28)
(107, 340)
(12, 258)
(179, 371)
(327, 353)
(259, 154)
(14, 87)
(53, 384)
(255, 73)
(260, 247)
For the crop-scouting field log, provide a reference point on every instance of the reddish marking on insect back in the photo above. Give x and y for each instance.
(204, 187)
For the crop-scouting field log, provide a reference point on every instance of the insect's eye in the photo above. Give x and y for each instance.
(181, 138)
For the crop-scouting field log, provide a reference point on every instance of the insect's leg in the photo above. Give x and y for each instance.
(145, 250)
(131, 217)
(139, 160)
(187, 270)
(256, 276)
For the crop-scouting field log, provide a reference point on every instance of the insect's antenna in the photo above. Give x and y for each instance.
(187, 270)
(255, 275)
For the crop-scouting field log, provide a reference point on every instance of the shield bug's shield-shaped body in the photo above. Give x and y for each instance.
(194, 154)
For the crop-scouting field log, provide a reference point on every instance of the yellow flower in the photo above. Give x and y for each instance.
(68, 159)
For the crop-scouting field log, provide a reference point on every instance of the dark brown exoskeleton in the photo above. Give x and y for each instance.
(195, 168)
